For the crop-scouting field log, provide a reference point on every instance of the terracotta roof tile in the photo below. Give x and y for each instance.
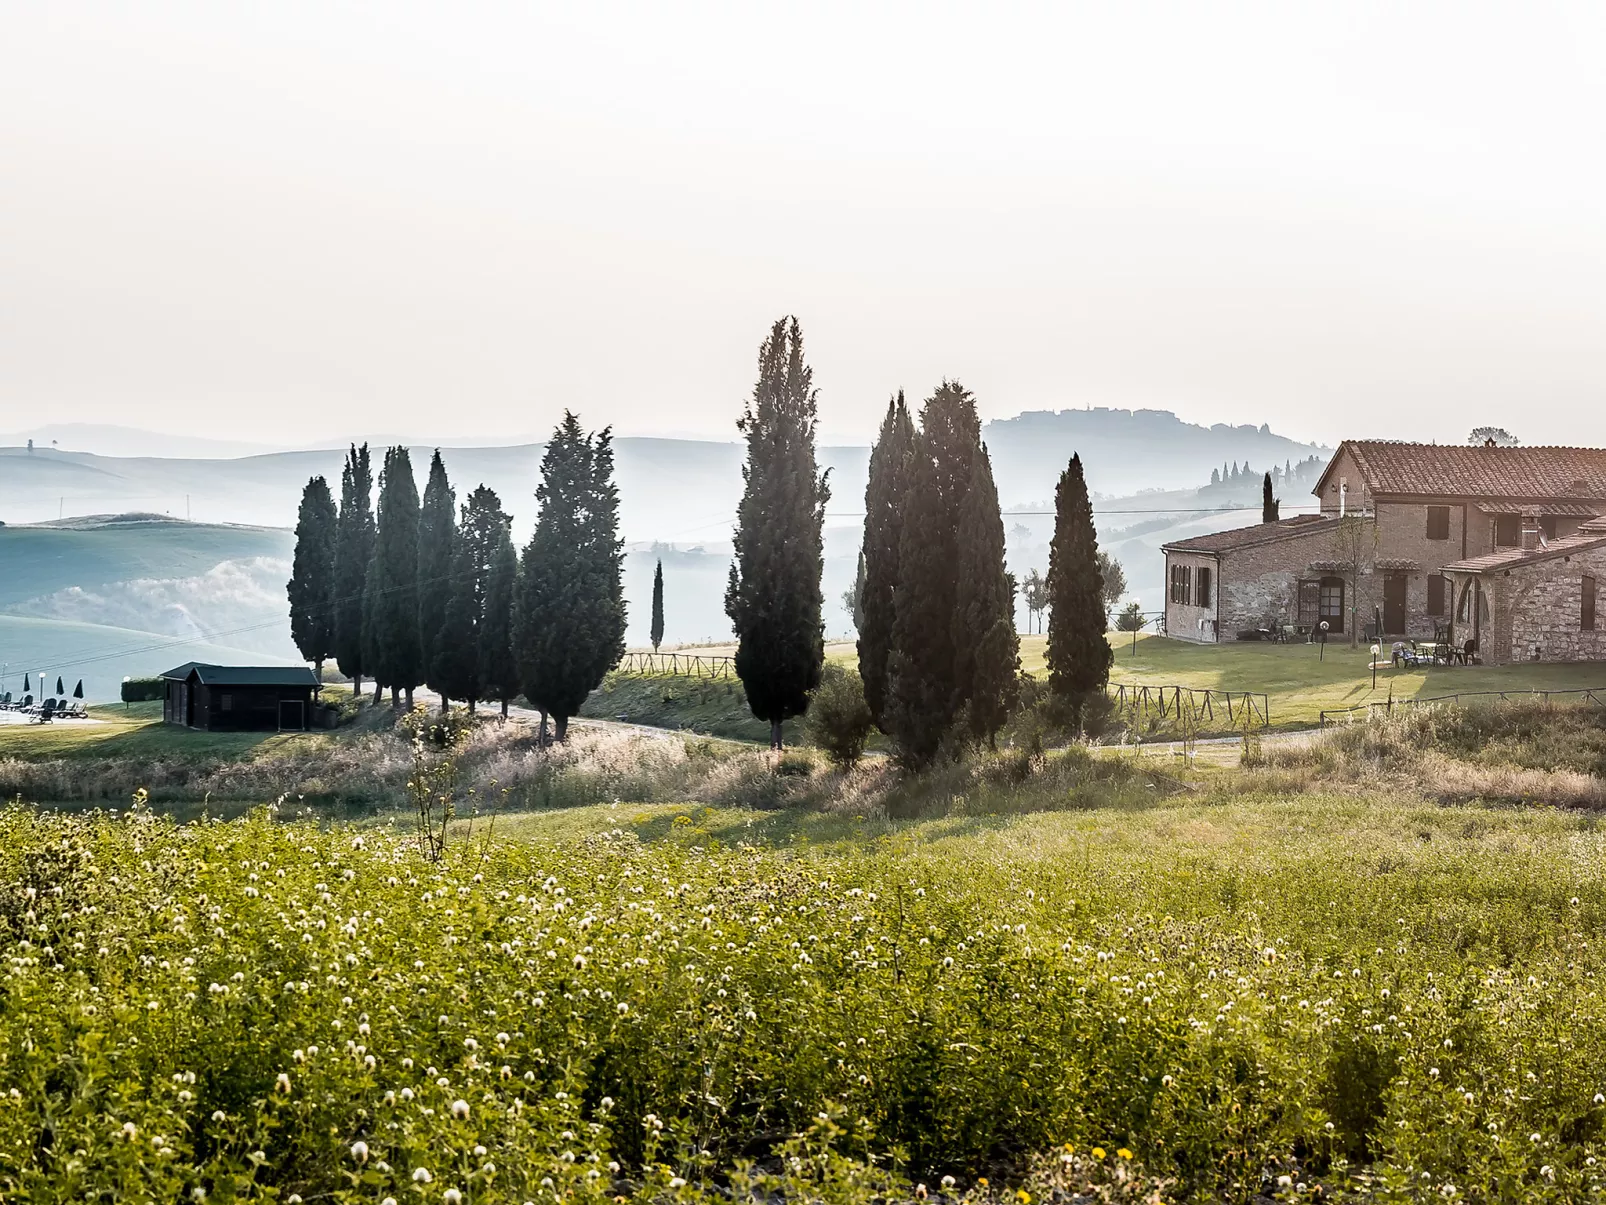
(1543, 473)
(1245, 537)
(1507, 558)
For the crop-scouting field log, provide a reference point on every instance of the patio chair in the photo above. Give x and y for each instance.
(1469, 652)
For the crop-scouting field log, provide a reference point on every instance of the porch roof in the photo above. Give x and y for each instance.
(1249, 537)
(1508, 558)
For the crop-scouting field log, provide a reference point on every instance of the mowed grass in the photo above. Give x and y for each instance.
(1301, 681)
(1241, 997)
(137, 730)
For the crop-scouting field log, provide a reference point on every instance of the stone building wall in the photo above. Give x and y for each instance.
(1192, 621)
(1542, 607)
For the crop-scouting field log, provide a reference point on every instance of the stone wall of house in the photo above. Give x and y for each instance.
(1402, 536)
(1542, 609)
(1192, 621)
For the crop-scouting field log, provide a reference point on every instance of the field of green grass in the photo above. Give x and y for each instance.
(1210, 998)
(1301, 680)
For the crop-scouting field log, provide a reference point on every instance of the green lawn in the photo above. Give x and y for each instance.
(136, 730)
(1301, 681)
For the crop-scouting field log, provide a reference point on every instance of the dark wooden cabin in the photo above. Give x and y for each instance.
(240, 698)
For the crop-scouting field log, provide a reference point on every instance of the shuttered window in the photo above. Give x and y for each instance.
(1435, 594)
(1507, 531)
(1586, 619)
(1204, 584)
(1181, 584)
(1438, 522)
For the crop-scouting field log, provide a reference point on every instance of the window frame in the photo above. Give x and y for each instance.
(1508, 523)
(1587, 600)
(1438, 522)
(1335, 616)
(1204, 581)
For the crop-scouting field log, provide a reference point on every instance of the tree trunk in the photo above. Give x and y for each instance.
(504, 709)
(318, 669)
(446, 705)
(379, 692)
(409, 698)
(543, 729)
(560, 725)
(471, 706)
(356, 687)
(775, 735)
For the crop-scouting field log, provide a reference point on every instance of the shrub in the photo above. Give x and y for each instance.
(838, 719)
(143, 690)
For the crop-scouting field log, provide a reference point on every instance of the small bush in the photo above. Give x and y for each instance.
(144, 690)
(838, 719)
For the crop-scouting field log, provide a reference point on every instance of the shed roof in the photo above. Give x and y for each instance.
(1509, 558)
(1541, 473)
(1247, 537)
(245, 675)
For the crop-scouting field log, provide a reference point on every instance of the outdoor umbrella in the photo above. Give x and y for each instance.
(78, 691)
(61, 690)
(27, 684)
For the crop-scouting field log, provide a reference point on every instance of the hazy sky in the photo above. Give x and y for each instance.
(285, 221)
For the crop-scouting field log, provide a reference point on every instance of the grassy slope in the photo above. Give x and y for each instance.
(711, 707)
(1301, 682)
(137, 731)
(42, 560)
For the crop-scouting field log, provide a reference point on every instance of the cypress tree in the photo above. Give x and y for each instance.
(498, 669)
(658, 604)
(312, 575)
(774, 598)
(354, 548)
(986, 645)
(569, 608)
(437, 533)
(885, 497)
(390, 629)
(455, 669)
(924, 689)
(1079, 656)
(919, 687)
(1269, 506)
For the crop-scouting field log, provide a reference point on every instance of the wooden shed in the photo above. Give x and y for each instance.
(240, 698)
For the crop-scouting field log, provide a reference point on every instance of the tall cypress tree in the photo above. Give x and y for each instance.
(1269, 505)
(354, 548)
(498, 668)
(1079, 656)
(986, 645)
(312, 575)
(437, 532)
(774, 598)
(924, 687)
(885, 497)
(919, 688)
(455, 668)
(569, 608)
(658, 604)
(391, 603)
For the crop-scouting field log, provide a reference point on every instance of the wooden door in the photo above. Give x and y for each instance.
(1394, 585)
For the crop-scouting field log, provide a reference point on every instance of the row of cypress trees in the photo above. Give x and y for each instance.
(420, 593)
(939, 655)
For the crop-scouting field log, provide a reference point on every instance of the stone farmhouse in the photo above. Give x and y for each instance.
(1502, 545)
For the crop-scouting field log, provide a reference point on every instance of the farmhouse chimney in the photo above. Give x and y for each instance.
(1530, 532)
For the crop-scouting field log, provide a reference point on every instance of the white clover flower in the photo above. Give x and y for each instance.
(282, 1084)
(460, 1110)
(421, 1175)
(359, 1151)
(219, 1115)
(452, 1197)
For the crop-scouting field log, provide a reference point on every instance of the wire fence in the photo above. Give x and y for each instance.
(1586, 694)
(1241, 707)
(680, 665)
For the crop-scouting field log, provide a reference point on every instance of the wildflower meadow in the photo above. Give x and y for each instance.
(1220, 1001)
